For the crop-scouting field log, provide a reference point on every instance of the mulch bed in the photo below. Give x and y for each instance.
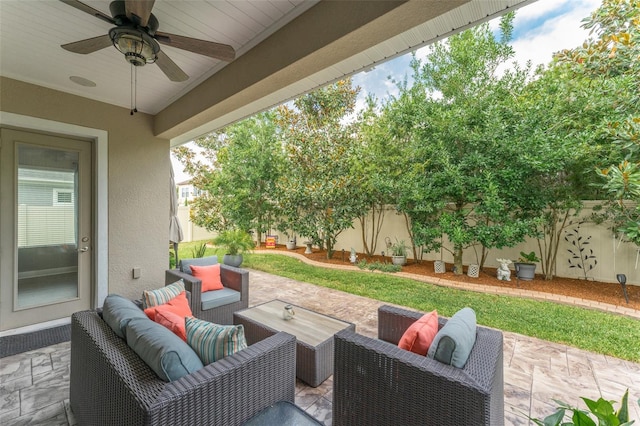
(610, 293)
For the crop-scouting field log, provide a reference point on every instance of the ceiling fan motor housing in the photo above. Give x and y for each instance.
(119, 13)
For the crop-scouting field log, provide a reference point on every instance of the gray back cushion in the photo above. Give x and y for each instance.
(117, 311)
(185, 264)
(453, 343)
(164, 352)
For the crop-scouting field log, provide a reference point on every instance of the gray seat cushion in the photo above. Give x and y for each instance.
(216, 298)
(185, 264)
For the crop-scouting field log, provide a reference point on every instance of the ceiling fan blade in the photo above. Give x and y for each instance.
(139, 8)
(169, 68)
(89, 45)
(207, 48)
(88, 9)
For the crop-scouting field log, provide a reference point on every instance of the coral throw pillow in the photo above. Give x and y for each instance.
(179, 305)
(209, 275)
(420, 334)
(173, 322)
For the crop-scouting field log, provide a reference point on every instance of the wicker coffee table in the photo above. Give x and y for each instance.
(314, 333)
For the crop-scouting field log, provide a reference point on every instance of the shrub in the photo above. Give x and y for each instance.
(379, 266)
(601, 409)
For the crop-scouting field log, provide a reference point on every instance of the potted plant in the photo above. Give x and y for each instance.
(399, 253)
(235, 242)
(291, 242)
(525, 266)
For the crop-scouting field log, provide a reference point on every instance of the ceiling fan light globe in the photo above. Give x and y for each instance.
(137, 47)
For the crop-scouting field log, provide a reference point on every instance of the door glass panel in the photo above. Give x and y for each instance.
(47, 226)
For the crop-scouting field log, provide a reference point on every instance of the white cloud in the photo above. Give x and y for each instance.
(376, 81)
(540, 29)
(560, 31)
(540, 8)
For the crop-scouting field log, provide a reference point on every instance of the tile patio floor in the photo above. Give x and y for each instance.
(34, 386)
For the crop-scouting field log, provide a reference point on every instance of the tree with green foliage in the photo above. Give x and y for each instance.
(380, 164)
(466, 175)
(237, 169)
(318, 194)
(559, 119)
(610, 61)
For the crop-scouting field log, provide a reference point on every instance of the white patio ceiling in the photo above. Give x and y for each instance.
(32, 31)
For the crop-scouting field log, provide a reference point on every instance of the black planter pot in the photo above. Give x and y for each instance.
(525, 271)
(232, 260)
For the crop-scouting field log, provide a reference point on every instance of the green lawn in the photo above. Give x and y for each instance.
(591, 330)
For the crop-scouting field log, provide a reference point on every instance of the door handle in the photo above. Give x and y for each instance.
(83, 249)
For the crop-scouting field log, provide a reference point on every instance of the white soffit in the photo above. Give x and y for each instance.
(32, 31)
(454, 21)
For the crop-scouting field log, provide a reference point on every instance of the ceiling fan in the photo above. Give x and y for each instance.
(136, 35)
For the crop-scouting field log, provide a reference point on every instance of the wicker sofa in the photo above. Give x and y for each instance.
(111, 385)
(235, 280)
(377, 383)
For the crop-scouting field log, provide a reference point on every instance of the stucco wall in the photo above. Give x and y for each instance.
(138, 173)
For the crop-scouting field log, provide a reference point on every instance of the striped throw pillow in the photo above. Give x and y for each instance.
(162, 295)
(213, 341)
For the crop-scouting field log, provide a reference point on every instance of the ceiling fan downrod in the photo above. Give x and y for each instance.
(134, 88)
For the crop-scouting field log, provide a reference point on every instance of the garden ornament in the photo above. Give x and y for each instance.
(504, 273)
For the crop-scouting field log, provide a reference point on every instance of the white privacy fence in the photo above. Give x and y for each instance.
(613, 255)
(191, 232)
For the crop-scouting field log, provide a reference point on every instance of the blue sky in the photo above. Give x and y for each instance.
(540, 29)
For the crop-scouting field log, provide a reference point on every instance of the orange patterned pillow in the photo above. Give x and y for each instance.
(420, 334)
(209, 275)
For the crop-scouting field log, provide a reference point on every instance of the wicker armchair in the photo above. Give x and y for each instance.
(111, 385)
(232, 278)
(377, 383)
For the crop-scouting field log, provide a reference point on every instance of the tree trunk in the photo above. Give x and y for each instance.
(483, 256)
(548, 254)
(457, 260)
(369, 242)
(484, 252)
(329, 245)
(407, 224)
(363, 234)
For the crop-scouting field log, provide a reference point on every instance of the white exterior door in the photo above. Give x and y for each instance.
(46, 228)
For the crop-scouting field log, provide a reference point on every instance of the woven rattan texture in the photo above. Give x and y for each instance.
(234, 278)
(375, 382)
(111, 385)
